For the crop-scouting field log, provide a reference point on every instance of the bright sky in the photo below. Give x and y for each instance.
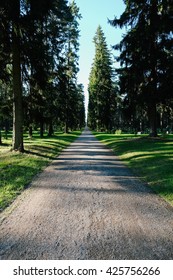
(94, 13)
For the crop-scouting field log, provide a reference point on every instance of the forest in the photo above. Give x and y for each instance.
(78, 182)
(136, 97)
(38, 68)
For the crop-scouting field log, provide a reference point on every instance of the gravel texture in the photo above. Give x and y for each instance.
(87, 205)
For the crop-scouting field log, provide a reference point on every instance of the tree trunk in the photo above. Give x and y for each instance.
(17, 144)
(153, 61)
(66, 126)
(30, 130)
(41, 128)
(153, 119)
(50, 132)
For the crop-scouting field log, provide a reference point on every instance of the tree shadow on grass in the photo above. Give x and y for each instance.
(5, 145)
(41, 155)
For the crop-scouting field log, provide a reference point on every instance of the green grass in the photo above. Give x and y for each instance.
(149, 158)
(17, 170)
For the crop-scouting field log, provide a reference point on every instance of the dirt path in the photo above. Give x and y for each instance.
(87, 205)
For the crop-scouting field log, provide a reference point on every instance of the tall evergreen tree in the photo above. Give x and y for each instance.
(17, 79)
(144, 54)
(69, 68)
(47, 37)
(14, 16)
(101, 93)
(39, 60)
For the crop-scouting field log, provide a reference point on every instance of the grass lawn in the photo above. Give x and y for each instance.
(149, 158)
(17, 170)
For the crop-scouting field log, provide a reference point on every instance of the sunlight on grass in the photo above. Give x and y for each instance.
(17, 170)
(149, 158)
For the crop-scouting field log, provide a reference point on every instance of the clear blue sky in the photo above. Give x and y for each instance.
(94, 13)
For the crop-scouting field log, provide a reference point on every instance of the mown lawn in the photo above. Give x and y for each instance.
(17, 170)
(149, 158)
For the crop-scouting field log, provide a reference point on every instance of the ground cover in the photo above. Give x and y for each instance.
(149, 158)
(17, 170)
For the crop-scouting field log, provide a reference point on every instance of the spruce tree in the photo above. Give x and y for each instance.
(145, 54)
(101, 94)
(39, 61)
(69, 67)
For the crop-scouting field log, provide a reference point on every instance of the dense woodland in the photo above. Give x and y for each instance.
(38, 68)
(137, 97)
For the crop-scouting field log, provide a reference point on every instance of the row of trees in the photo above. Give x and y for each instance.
(146, 59)
(39, 66)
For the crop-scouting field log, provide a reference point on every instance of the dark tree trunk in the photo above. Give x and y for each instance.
(50, 132)
(153, 62)
(153, 119)
(17, 83)
(41, 128)
(30, 131)
(66, 127)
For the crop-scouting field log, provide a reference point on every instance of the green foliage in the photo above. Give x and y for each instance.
(149, 158)
(101, 87)
(17, 170)
(146, 57)
(46, 46)
(71, 93)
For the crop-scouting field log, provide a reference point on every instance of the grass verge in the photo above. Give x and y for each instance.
(17, 170)
(149, 158)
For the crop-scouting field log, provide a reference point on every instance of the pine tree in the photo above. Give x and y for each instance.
(47, 38)
(15, 16)
(101, 93)
(145, 53)
(69, 67)
(39, 60)
(17, 79)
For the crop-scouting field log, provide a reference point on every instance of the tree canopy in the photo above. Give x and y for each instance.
(146, 53)
(38, 69)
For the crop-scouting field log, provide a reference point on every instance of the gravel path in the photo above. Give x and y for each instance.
(87, 205)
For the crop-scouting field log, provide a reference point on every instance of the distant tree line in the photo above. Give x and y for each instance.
(39, 66)
(144, 100)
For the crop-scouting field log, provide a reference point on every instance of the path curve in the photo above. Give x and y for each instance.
(87, 205)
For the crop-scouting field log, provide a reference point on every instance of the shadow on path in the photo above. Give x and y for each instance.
(88, 205)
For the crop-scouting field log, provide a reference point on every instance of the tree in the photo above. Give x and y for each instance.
(69, 67)
(39, 61)
(17, 80)
(14, 16)
(101, 90)
(47, 36)
(145, 52)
